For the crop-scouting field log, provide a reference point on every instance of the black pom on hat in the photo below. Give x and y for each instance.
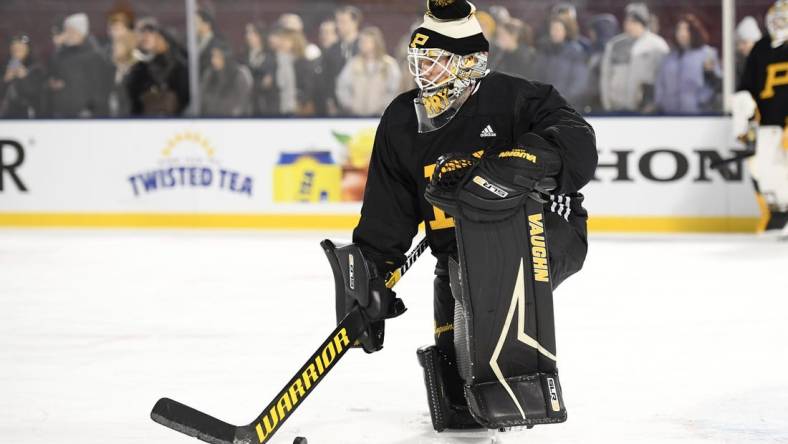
(449, 9)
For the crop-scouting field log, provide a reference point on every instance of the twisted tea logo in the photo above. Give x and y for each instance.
(195, 167)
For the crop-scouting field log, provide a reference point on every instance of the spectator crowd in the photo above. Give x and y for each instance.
(604, 66)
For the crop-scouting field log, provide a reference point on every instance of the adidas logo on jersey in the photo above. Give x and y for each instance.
(488, 132)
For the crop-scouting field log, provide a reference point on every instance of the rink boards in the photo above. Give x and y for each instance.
(654, 174)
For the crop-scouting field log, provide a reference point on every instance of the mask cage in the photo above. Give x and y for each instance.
(438, 64)
(777, 20)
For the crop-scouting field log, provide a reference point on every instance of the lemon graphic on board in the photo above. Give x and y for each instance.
(359, 147)
(356, 165)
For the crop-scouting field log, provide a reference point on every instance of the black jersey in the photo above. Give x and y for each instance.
(503, 111)
(766, 78)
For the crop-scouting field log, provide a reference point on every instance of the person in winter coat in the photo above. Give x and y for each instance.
(690, 78)
(602, 28)
(561, 61)
(514, 53)
(296, 76)
(348, 21)
(123, 59)
(225, 86)
(630, 64)
(207, 36)
(22, 82)
(158, 85)
(78, 84)
(370, 79)
(568, 11)
(262, 66)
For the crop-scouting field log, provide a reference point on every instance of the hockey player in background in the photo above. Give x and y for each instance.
(517, 137)
(760, 116)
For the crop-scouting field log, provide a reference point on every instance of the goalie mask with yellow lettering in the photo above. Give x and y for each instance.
(777, 23)
(447, 55)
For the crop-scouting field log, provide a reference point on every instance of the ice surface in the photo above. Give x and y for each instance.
(663, 340)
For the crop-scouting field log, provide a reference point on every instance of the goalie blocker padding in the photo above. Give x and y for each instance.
(504, 331)
(358, 284)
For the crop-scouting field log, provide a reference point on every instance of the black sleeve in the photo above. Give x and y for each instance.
(390, 214)
(749, 78)
(554, 125)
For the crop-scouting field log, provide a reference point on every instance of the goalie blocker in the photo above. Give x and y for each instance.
(504, 335)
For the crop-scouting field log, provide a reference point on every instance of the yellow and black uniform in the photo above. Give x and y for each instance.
(766, 79)
(503, 112)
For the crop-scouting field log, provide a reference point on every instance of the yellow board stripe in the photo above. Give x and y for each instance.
(673, 224)
(178, 220)
(345, 222)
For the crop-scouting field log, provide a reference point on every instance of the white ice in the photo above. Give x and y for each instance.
(661, 340)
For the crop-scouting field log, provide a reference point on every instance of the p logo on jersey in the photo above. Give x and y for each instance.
(419, 40)
(776, 75)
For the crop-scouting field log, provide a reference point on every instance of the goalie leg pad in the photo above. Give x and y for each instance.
(769, 167)
(504, 329)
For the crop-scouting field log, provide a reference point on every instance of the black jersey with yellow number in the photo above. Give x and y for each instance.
(766, 78)
(503, 111)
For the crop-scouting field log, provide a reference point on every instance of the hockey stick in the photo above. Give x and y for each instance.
(749, 139)
(197, 424)
(737, 158)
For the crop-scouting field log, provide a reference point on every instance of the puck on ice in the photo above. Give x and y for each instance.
(299, 440)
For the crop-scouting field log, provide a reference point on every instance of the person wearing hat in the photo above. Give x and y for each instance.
(79, 79)
(157, 85)
(630, 64)
(516, 137)
(601, 29)
(20, 91)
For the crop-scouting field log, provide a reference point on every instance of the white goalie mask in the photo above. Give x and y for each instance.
(777, 22)
(445, 81)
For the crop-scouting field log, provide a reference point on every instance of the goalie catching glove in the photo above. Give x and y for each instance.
(359, 284)
(494, 187)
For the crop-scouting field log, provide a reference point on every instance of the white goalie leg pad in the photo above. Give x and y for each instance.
(769, 166)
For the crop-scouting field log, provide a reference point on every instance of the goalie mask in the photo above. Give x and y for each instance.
(777, 23)
(447, 55)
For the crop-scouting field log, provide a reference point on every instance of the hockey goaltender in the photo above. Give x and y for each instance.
(493, 166)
